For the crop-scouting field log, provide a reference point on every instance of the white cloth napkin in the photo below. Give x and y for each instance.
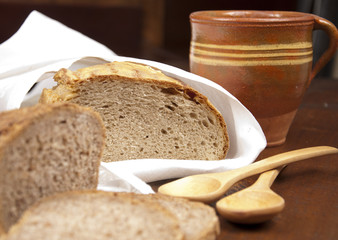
(43, 45)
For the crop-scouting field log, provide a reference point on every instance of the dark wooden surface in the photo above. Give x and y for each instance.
(310, 187)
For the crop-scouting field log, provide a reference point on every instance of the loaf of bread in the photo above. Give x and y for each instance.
(197, 220)
(45, 149)
(96, 215)
(146, 113)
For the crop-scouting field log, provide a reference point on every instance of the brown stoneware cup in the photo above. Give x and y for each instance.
(263, 58)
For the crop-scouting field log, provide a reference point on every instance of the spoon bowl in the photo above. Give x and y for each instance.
(255, 204)
(203, 187)
(257, 211)
(193, 185)
(211, 186)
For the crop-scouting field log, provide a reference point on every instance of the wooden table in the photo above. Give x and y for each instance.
(310, 187)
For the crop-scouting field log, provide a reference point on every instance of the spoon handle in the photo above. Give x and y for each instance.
(280, 160)
(266, 179)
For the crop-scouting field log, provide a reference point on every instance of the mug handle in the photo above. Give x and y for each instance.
(332, 32)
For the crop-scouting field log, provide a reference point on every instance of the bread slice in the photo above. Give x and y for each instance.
(95, 215)
(46, 149)
(197, 220)
(146, 113)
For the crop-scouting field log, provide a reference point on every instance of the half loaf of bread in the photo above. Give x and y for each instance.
(146, 113)
(46, 149)
(95, 215)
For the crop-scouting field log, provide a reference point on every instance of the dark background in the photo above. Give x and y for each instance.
(154, 29)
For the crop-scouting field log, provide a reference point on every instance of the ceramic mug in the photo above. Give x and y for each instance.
(264, 58)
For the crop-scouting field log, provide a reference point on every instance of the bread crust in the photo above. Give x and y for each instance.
(13, 122)
(68, 82)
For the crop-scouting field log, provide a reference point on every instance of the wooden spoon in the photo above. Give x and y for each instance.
(211, 186)
(255, 204)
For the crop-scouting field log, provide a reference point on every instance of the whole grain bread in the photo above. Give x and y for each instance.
(45, 149)
(197, 220)
(146, 113)
(96, 215)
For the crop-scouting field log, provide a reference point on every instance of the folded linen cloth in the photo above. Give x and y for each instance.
(42, 46)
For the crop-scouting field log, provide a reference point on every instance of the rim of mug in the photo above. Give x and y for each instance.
(249, 16)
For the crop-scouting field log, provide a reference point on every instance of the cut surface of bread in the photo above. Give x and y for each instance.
(95, 215)
(146, 113)
(197, 221)
(46, 149)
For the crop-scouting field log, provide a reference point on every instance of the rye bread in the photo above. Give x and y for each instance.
(96, 215)
(197, 220)
(45, 149)
(146, 113)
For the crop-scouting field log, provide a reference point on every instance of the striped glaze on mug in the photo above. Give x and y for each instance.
(264, 58)
(247, 55)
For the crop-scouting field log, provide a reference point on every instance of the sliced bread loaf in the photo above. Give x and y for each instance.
(95, 215)
(197, 221)
(146, 113)
(46, 149)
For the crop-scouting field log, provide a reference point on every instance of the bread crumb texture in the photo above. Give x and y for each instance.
(96, 215)
(46, 149)
(197, 220)
(146, 113)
